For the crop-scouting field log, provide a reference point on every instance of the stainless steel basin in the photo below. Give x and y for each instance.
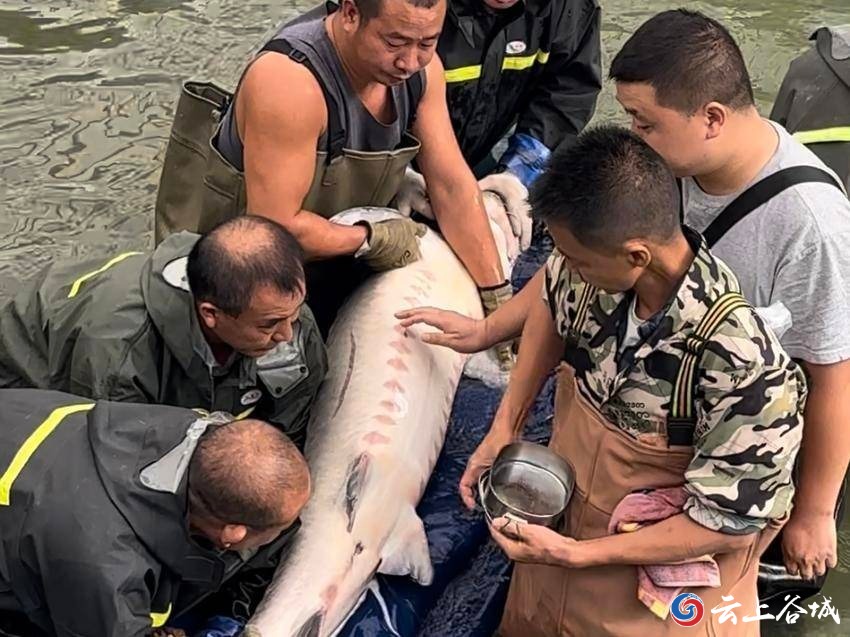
(529, 482)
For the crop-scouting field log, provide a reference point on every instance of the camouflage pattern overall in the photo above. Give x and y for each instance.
(749, 393)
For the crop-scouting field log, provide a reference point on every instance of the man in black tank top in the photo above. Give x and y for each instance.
(344, 70)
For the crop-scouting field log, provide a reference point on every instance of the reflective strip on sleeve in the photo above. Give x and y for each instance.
(75, 287)
(31, 444)
(158, 619)
(823, 135)
(515, 63)
(463, 74)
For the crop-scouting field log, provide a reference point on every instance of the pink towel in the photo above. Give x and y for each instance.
(658, 584)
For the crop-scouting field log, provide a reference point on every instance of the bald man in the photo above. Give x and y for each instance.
(215, 322)
(124, 515)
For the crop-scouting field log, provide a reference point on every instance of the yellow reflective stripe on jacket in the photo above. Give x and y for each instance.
(75, 287)
(823, 135)
(525, 61)
(463, 74)
(243, 415)
(158, 619)
(31, 444)
(515, 63)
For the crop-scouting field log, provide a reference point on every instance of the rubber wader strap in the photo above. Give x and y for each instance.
(414, 86)
(681, 186)
(681, 422)
(760, 193)
(336, 131)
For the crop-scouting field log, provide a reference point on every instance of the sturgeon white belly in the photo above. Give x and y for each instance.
(376, 430)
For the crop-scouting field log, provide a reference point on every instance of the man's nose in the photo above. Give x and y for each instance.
(408, 61)
(284, 333)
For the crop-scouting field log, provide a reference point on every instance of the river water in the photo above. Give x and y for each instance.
(88, 93)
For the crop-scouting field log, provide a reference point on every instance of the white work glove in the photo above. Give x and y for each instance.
(514, 197)
(503, 234)
(411, 196)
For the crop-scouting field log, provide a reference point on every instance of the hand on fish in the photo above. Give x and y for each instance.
(390, 244)
(535, 544)
(457, 332)
(481, 460)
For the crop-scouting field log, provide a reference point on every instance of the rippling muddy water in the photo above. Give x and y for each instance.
(88, 90)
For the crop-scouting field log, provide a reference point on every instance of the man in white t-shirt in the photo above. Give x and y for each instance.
(684, 82)
(682, 79)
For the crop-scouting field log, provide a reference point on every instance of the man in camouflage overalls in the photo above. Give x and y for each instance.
(672, 381)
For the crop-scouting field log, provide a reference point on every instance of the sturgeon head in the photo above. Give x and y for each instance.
(328, 572)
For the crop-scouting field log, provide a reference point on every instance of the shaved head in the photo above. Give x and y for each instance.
(248, 472)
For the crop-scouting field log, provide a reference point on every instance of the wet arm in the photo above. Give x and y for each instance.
(508, 320)
(455, 197)
(675, 539)
(540, 350)
(826, 442)
(280, 128)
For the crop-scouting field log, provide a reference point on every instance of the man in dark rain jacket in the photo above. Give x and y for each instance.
(216, 323)
(533, 65)
(117, 517)
(814, 99)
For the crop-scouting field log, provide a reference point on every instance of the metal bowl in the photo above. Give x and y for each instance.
(529, 482)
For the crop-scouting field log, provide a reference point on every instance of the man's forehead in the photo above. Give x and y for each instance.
(641, 100)
(567, 242)
(404, 19)
(269, 299)
(636, 95)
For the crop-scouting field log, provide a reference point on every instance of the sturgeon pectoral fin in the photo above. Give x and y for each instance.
(406, 551)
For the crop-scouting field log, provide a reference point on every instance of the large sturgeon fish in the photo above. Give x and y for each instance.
(376, 429)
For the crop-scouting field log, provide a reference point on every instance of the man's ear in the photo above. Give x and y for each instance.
(638, 254)
(351, 16)
(715, 115)
(209, 314)
(232, 534)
